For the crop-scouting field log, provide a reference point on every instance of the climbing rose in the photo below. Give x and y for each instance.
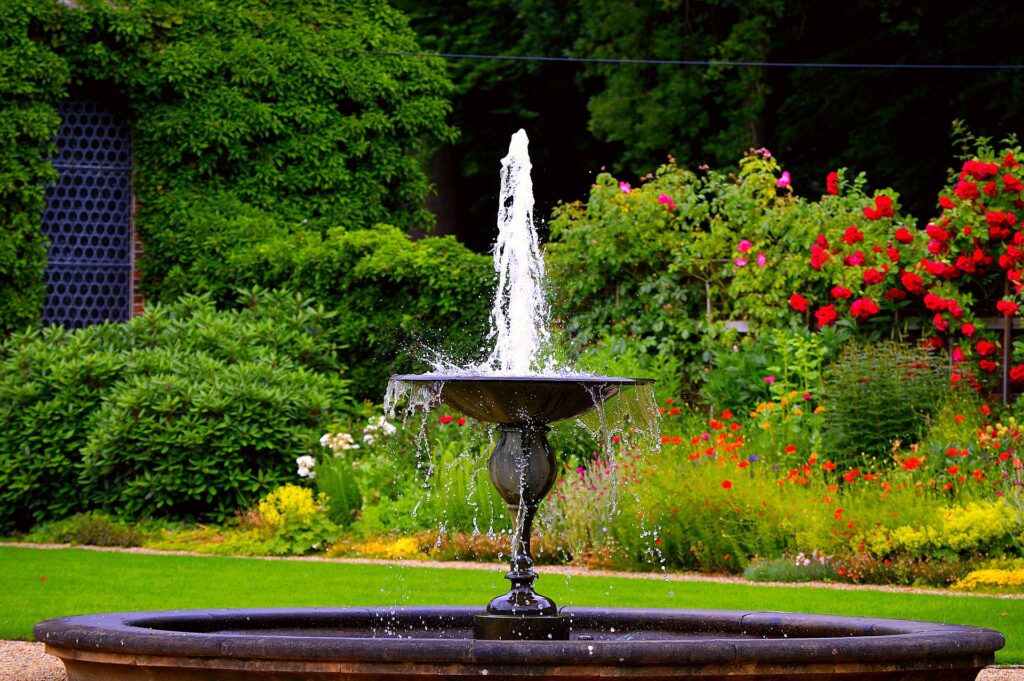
(743, 247)
(863, 308)
(903, 235)
(912, 282)
(819, 256)
(798, 302)
(985, 348)
(826, 315)
(832, 183)
(762, 260)
(946, 202)
(855, 259)
(841, 292)
(987, 365)
(852, 235)
(1007, 307)
(967, 329)
(783, 181)
(881, 209)
(667, 200)
(1017, 373)
(872, 276)
(940, 323)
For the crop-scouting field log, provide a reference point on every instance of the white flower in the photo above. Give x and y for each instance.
(305, 464)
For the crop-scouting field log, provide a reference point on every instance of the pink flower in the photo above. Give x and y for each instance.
(667, 200)
(769, 379)
(784, 180)
(743, 247)
(624, 186)
(740, 262)
(762, 260)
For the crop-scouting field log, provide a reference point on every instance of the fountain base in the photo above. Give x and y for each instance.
(517, 628)
(412, 643)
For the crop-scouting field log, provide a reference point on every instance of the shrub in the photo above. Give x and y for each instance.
(184, 411)
(397, 302)
(799, 568)
(91, 529)
(877, 394)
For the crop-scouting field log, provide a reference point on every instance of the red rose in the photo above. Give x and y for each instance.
(819, 256)
(881, 209)
(1007, 307)
(966, 190)
(985, 348)
(938, 233)
(987, 365)
(934, 302)
(912, 282)
(965, 264)
(826, 315)
(841, 292)
(1012, 184)
(798, 302)
(895, 294)
(852, 235)
(1009, 161)
(968, 329)
(855, 259)
(903, 235)
(863, 308)
(946, 202)
(873, 276)
(832, 183)
(940, 322)
(1017, 373)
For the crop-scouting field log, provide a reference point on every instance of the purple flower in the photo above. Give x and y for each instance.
(783, 181)
(753, 457)
(762, 260)
(624, 186)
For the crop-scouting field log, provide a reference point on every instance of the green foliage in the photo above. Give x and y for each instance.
(32, 77)
(92, 528)
(877, 394)
(184, 411)
(396, 300)
(248, 119)
(799, 568)
(336, 480)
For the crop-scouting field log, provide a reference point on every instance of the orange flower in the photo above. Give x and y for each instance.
(790, 449)
(850, 476)
(838, 514)
(953, 470)
(829, 466)
(911, 462)
(726, 414)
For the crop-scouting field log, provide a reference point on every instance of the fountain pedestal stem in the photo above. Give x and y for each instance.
(523, 469)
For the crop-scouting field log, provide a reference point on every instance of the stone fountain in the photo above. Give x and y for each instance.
(521, 634)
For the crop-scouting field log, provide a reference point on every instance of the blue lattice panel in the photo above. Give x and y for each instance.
(88, 219)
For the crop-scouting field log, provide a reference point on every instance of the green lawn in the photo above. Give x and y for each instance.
(41, 583)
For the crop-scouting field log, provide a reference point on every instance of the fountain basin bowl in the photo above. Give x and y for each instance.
(422, 642)
(498, 398)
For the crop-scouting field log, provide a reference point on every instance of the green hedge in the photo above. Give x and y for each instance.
(32, 77)
(397, 301)
(267, 110)
(184, 411)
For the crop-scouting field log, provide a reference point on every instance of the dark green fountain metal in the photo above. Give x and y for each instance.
(523, 469)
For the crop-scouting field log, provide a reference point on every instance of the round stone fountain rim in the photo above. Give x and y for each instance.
(814, 638)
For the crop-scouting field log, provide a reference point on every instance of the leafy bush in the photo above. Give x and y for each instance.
(799, 568)
(397, 301)
(184, 411)
(877, 394)
(34, 78)
(92, 529)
